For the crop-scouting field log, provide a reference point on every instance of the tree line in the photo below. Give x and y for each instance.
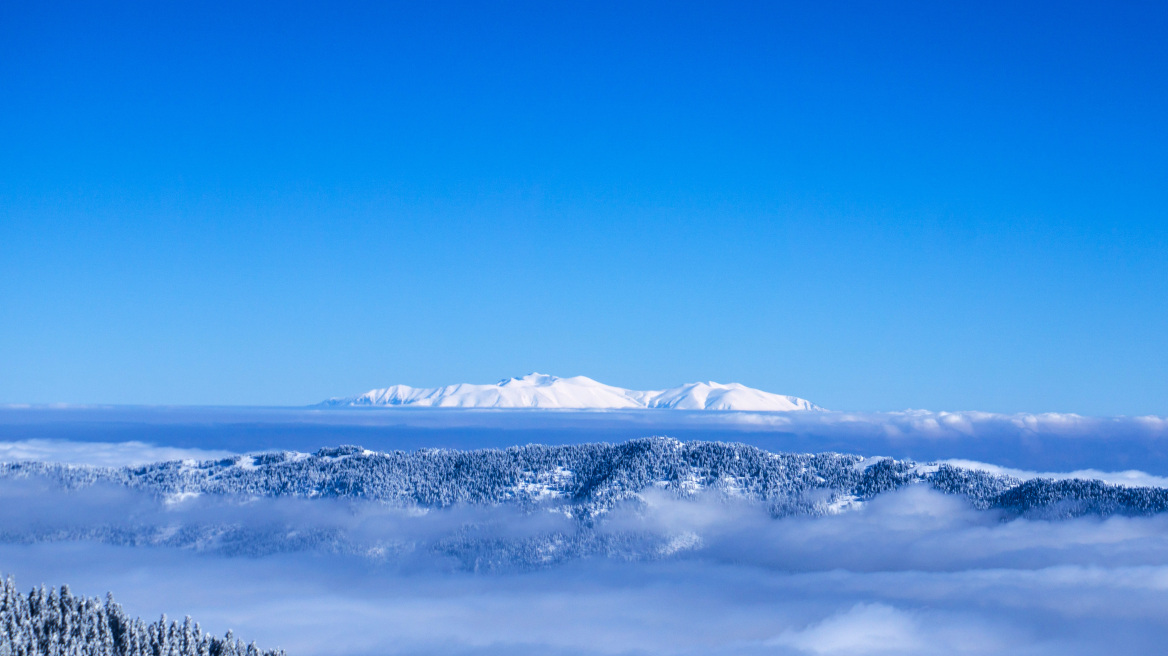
(51, 622)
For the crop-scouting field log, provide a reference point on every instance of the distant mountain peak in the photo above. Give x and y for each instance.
(536, 390)
(536, 378)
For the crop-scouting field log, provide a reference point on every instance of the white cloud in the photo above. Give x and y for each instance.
(1129, 478)
(100, 454)
(864, 629)
(878, 628)
(914, 572)
(1047, 442)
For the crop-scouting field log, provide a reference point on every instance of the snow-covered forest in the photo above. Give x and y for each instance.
(57, 623)
(356, 551)
(587, 480)
(495, 508)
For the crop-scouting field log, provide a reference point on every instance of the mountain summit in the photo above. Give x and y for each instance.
(578, 393)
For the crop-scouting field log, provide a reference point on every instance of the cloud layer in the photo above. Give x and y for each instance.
(101, 454)
(1036, 442)
(913, 572)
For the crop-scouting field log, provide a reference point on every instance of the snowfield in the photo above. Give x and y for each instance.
(578, 393)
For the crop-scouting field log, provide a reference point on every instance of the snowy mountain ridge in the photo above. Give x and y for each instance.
(520, 507)
(537, 390)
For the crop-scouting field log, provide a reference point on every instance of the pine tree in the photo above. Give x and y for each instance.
(58, 623)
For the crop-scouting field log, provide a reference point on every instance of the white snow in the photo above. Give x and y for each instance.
(546, 485)
(843, 503)
(179, 497)
(716, 396)
(579, 392)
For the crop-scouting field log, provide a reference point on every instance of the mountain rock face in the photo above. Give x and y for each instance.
(578, 393)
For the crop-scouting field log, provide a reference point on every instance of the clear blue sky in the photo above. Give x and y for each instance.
(872, 205)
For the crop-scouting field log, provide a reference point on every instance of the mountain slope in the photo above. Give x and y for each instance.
(588, 480)
(578, 392)
(500, 508)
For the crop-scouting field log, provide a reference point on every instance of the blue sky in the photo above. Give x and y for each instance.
(872, 205)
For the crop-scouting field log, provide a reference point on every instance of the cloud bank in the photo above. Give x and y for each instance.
(101, 454)
(1034, 442)
(912, 572)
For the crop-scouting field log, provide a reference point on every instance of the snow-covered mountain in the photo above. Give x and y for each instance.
(578, 392)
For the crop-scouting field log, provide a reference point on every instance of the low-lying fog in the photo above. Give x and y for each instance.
(910, 572)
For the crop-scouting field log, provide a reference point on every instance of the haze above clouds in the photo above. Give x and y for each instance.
(1031, 442)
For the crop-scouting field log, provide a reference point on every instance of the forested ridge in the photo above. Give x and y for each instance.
(586, 480)
(521, 507)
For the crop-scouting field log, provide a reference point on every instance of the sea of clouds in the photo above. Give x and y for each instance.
(910, 572)
(913, 572)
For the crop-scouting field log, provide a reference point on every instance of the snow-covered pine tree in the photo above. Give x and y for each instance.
(52, 623)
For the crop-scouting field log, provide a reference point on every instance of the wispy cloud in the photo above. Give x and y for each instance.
(100, 454)
(1129, 478)
(877, 628)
